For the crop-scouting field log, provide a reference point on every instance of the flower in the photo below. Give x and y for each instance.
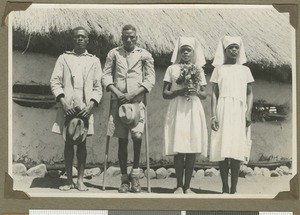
(189, 76)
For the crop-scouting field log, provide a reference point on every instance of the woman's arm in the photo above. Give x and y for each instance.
(168, 94)
(249, 104)
(202, 93)
(214, 99)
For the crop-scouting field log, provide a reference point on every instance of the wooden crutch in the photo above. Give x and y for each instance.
(106, 151)
(105, 161)
(147, 144)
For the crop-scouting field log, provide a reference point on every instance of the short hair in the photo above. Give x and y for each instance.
(80, 28)
(128, 27)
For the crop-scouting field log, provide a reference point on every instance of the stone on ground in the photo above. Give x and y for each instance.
(87, 173)
(274, 173)
(246, 171)
(279, 171)
(250, 171)
(257, 171)
(19, 169)
(37, 171)
(243, 171)
(194, 173)
(212, 172)
(266, 172)
(200, 174)
(96, 171)
(152, 173)
(92, 172)
(172, 173)
(113, 171)
(285, 169)
(74, 172)
(161, 173)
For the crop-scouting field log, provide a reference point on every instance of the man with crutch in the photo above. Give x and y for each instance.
(128, 74)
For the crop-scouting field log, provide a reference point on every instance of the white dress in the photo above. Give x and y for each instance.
(185, 125)
(232, 140)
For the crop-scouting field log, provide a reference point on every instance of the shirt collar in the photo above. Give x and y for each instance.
(136, 48)
(83, 54)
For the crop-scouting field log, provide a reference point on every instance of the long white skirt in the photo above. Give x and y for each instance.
(232, 140)
(185, 127)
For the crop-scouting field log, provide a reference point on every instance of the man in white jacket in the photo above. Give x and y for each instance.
(76, 85)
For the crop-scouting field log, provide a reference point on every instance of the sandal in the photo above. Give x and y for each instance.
(124, 188)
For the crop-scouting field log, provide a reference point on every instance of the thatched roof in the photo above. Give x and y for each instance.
(266, 32)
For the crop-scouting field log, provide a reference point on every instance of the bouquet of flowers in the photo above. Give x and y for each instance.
(189, 77)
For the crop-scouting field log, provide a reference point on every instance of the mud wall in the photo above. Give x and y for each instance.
(33, 141)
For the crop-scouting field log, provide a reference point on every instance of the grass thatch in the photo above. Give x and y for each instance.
(266, 32)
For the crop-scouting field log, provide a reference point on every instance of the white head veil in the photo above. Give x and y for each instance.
(223, 44)
(198, 58)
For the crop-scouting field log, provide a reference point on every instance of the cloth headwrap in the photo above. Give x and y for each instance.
(198, 58)
(223, 44)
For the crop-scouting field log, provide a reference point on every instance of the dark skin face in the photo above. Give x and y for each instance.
(80, 39)
(129, 39)
(186, 54)
(232, 53)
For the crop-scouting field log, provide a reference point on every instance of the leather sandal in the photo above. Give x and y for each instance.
(124, 188)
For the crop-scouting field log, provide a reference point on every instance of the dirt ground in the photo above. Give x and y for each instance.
(207, 185)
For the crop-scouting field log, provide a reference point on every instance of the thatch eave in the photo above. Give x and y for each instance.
(266, 32)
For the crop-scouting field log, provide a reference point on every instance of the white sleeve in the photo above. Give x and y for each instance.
(203, 78)
(249, 77)
(214, 76)
(168, 77)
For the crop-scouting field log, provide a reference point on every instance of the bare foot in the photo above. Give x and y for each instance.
(66, 187)
(81, 187)
(189, 191)
(179, 190)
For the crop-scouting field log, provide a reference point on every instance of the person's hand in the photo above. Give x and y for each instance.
(248, 120)
(129, 97)
(182, 91)
(120, 97)
(126, 98)
(192, 91)
(214, 123)
(67, 108)
(86, 111)
(186, 91)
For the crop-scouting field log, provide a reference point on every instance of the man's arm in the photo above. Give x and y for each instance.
(96, 93)
(148, 78)
(107, 78)
(97, 86)
(149, 72)
(129, 97)
(56, 83)
(56, 80)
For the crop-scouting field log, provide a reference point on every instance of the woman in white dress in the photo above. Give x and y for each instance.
(185, 124)
(232, 100)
